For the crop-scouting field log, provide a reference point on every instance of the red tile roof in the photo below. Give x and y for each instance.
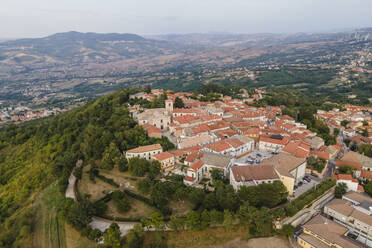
(270, 139)
(298, 148)
(196, 166)
(346, 177)
(219, 146)
(163, 155)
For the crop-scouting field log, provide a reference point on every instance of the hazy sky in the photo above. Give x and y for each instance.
(33, 18)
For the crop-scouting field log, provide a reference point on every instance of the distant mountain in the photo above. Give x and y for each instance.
(75, 47)
(78, 65)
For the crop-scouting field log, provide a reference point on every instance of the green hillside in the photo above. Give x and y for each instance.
(37, 158)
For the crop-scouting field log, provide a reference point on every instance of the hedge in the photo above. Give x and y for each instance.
(108, 180)
(291, 208)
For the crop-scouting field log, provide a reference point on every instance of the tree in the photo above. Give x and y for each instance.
(78, 172)
(112, 236)
(196, 196)
(365, 149)
(288, 230)
(368, 188)
(344, 123)
(121, 201)
(205, 220)
(340, 190)
(354, 146)
(216, 217)
(111, 157)
(216, 174)
(138, 166)
(135, 237)
(144, 185)
(228, 219)
(246, 214)
(157, 222)
(346, 169)
(176, 223)
(178, 103)
(154, 169)
(336, 131)
(192, 220)
(263, 221)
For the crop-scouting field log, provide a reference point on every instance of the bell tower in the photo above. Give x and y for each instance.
(169, 105)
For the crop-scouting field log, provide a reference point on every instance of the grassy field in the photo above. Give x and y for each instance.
(96, 190)
(75, 240)
(138, 210)
(49, 228)
(180, 208)
(124, 179)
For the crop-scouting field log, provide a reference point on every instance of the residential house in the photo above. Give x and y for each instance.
(252, 175)
(290, 169)
(315, 142)
(146, 152)
(298, 149)
(351, 183)
(213, 161)
(273, 143)
(166, 160)
(194, 173)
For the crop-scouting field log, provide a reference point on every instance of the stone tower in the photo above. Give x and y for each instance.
(169, 106)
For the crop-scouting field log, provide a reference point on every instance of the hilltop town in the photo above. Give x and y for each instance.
(258, 145)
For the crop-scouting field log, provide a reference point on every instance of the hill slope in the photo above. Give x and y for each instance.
(41, 155)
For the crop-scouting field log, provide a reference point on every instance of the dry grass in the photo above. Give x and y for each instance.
(221, 238)
(270, 242)
(138, 210)
(206, 238)
(95, 190)
(75, 240)
(180, 208)
(124, 179)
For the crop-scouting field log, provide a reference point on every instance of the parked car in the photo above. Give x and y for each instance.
(307, 179)
(259, 155)
(300, 183)
(314, 175)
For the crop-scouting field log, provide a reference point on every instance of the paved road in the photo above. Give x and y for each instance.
(71, 182)
(306, 213)
(103, 224)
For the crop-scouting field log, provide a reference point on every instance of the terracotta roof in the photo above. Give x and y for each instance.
(234, 142)
(366, 174)
(254, 172)
(346, 177)
(184, 110)
(163, 155)
(320, 154)
(275, 139)
(145, 148)
(298, 148)
(219, 146)
(190, 179)
(196, 166)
